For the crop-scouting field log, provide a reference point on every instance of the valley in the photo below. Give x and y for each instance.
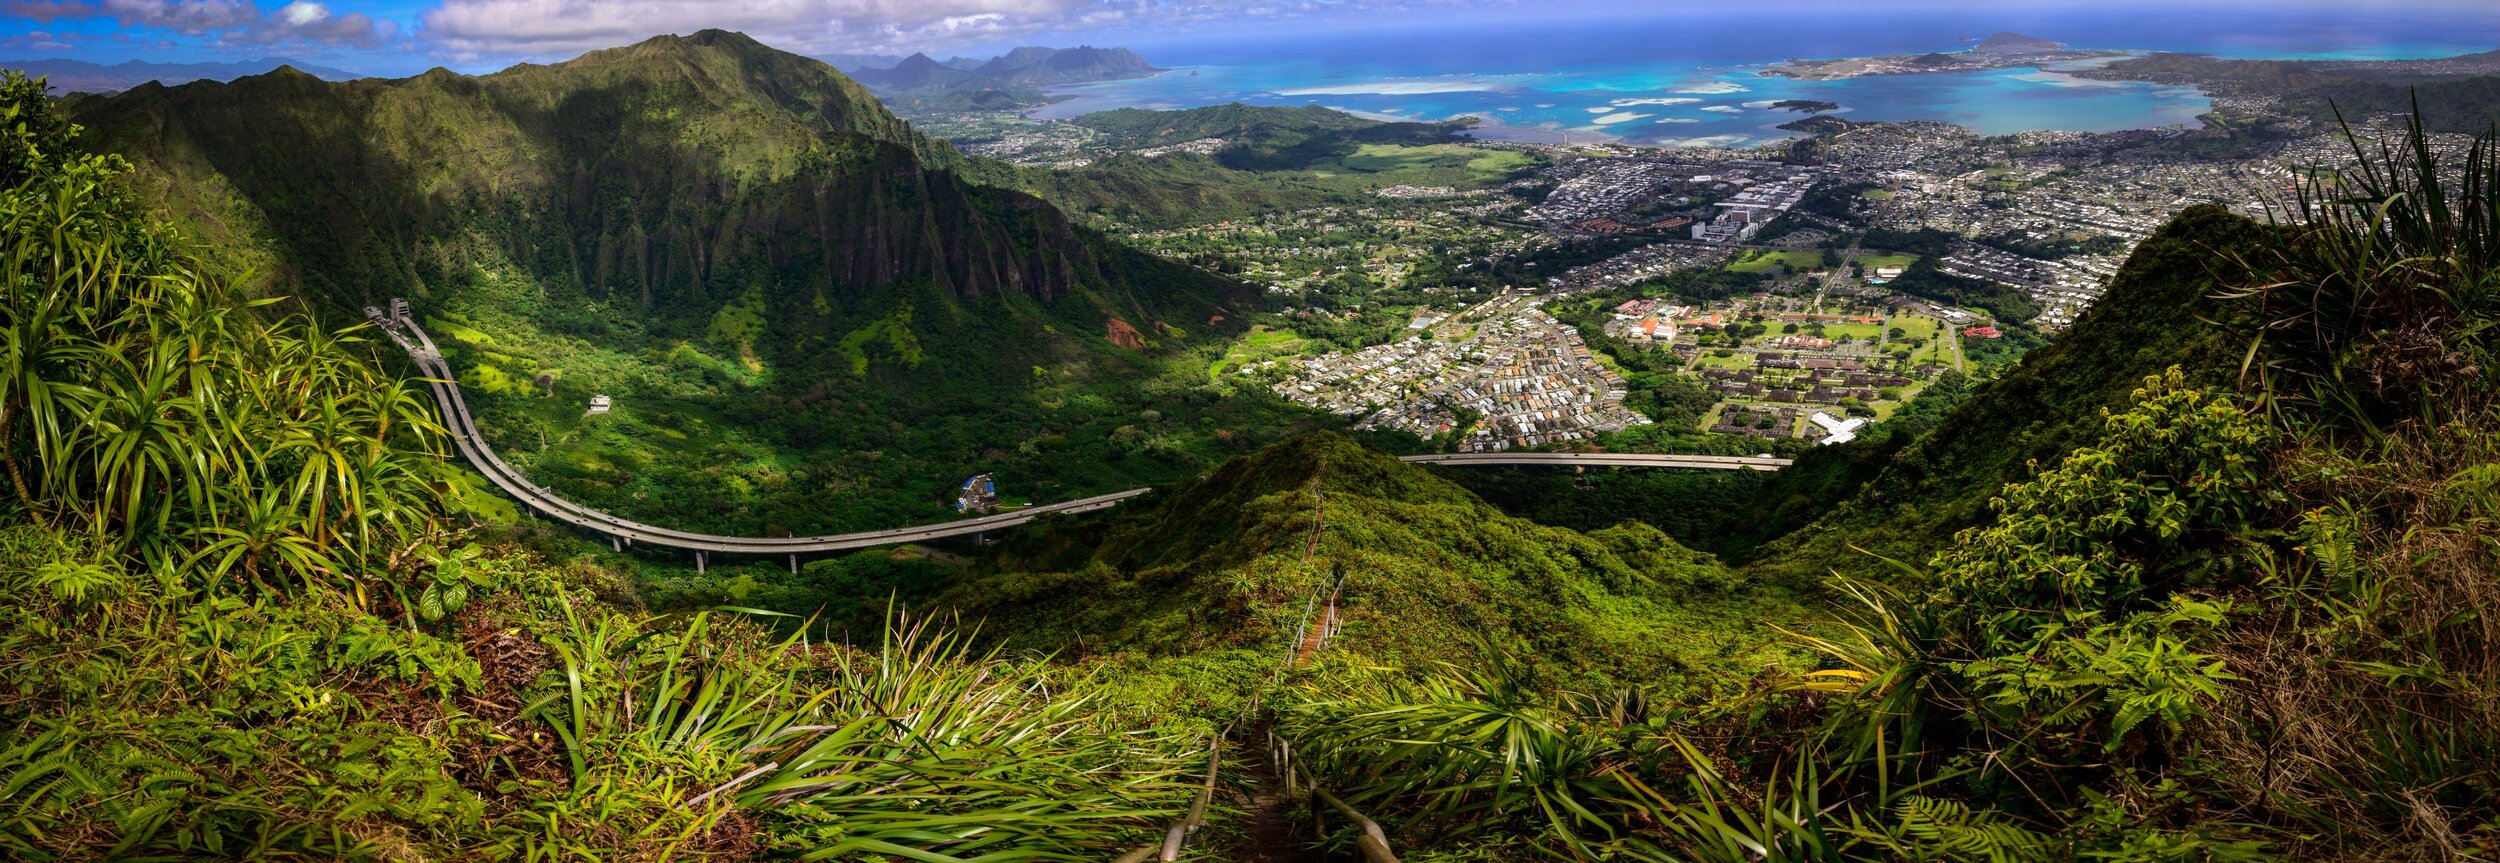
(698, 448)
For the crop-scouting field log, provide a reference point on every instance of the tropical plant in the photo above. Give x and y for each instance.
(146, 400)
(2385, 295)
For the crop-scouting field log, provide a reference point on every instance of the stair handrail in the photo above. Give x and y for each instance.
(1373, 841)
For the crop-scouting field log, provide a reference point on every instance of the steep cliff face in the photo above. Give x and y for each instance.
(673, 173)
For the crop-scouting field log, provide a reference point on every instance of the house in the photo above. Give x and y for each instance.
(1983, 333)
(599, 404)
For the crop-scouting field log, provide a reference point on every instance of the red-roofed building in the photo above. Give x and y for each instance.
(1983, 333)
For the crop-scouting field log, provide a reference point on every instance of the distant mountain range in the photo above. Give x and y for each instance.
(1010, 80)
(80, 76)
(1043, 67)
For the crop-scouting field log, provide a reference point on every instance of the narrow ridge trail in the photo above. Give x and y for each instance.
(1271, 834)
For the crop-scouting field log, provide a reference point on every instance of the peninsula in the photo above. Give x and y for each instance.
(1998, 51)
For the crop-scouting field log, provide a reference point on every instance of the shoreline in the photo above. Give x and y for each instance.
(2161, 108)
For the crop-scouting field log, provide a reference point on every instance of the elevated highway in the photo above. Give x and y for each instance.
(403, 329)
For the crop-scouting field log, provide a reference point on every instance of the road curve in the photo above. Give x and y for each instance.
(472, 446)
(1605, 459)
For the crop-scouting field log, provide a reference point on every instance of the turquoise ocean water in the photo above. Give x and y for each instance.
(1694, 79)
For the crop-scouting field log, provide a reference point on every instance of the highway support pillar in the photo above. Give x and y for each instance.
(794, 564)
(615, 544)
(698, 563)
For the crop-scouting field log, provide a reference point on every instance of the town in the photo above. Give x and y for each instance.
(1528, 378)
(1807, 288)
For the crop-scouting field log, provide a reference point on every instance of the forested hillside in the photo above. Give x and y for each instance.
(236, 621)
(2208, 579)
(797, 302)
(1416, 565)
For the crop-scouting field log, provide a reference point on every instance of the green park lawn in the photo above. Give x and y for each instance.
(1870, 262)
(1711, 360)
(1763, 262)
(1433, 164)
(1836, 332)
(1915, 326)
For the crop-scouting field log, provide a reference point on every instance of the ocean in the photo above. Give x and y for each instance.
(1693, 78)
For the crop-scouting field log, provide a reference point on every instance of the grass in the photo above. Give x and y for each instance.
(1763, 262)
(1709, 359)
(1870, 262)
(1876, 195)
(1837, 332)
(1456, 165)
(1915, 326)
(1257, 345)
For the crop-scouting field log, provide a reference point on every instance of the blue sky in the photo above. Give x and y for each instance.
(399, 37)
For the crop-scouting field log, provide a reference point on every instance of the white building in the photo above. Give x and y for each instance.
(1838, 430)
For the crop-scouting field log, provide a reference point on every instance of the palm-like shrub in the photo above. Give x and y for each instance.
(151, 404)
(924, 749)
(2383, 298)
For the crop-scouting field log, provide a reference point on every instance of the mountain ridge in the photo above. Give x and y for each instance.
(699, 225)
(75, 76)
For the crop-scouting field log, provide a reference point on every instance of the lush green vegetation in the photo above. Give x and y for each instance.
(2206, 579)
(812, 319)
(236, 623)
(1757, 261)
(1273, 160)
(2236, 618)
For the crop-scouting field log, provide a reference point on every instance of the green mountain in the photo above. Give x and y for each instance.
(1136, 127)
(1044, 67)
(80, 76)
(800, 302)
(1420, 569)
(1272, 159)
(2234, 609)
(669, 172)
(920, 83)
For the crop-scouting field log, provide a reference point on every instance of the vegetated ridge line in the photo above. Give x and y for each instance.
(401, 326)
(1605, 459)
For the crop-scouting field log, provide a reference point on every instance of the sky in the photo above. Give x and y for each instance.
(403, 37)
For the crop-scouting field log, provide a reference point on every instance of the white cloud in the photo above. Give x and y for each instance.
(188, 17)
(230, 21)
(306, 21)
(564, 27)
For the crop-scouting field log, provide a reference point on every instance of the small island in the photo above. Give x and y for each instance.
(1808, 106)
(1999, 51)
